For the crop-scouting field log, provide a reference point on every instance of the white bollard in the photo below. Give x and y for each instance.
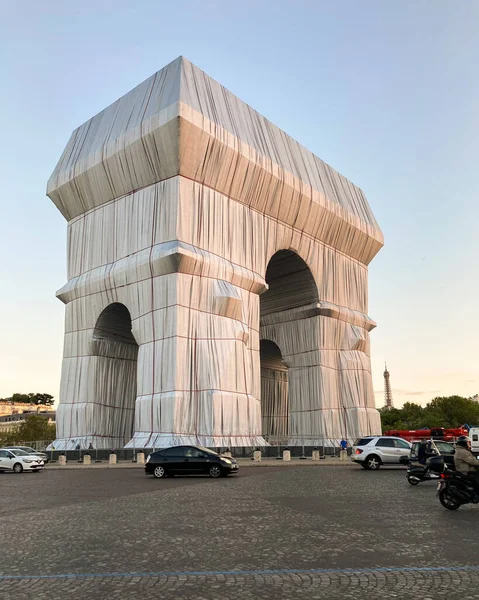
(140, 458)
(257, 456)
(343, 455)
(112, 459)
(62, 460)
(286, 455)
(228, 454)
(87, 459)
(315, 455)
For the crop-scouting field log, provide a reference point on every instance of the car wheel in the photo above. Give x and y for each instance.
(17, 468)
(373, 462)
(159, 472)
(448, 501)
(412, 479)
(215, 471)
(364, 465)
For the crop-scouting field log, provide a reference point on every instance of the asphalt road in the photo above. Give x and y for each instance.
(326, 532)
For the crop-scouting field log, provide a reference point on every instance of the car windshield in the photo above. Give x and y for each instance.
(19, 452)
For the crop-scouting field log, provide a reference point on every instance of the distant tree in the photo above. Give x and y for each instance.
(34, 428)
(452, 411)
(9, 437)
(447, 412)
(31, 398)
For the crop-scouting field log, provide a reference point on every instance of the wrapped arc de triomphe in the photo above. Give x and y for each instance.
(217, 278)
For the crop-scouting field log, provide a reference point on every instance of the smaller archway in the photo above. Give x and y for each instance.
(274, 393)
(117, 350)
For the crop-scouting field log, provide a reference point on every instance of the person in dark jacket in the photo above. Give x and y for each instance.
(421, 453)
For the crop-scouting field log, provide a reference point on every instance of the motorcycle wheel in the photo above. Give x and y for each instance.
(448, 501)
(412, 479)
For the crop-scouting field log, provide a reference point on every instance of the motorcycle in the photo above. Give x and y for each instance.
(453, 489)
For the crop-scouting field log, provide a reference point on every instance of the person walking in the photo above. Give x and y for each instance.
(343, 453)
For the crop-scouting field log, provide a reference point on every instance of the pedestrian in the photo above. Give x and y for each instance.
(77, 447)
(343, 454)
(90, 447)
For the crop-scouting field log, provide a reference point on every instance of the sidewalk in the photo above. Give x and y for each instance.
(242, 462)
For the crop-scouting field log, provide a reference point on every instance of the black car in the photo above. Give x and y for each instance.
(444, 449)
(189, 460)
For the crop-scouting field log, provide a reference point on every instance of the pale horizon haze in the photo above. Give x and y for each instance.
(385, 92)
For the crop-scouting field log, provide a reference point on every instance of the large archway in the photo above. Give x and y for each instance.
(291, 286)
(114, 342)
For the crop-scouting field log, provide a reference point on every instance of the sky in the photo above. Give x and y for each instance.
(385, 92)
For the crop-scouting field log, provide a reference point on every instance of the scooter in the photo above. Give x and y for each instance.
(417, 473)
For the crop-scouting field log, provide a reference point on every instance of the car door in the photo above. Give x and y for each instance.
(387, 450)
(403, 448)
(6, 460)
(177, 459)
(194, 460)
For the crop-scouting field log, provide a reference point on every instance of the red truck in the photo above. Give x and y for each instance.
(436, 433)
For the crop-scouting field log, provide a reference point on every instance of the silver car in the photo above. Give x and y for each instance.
(373, 451)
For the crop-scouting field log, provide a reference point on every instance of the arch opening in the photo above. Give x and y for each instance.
(114, 342)
(274, 393)
(291, 285)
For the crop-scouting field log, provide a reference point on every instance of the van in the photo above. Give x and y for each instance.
(474, 437)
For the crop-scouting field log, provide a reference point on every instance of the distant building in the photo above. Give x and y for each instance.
(15, 408)
(9, 422)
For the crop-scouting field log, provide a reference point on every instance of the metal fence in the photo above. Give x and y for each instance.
(326, 446)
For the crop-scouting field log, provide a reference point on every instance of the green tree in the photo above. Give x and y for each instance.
(447, 412)
(452, 411)
(35, 427)
(31, 398)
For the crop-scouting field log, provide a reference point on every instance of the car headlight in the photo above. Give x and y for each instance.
(148, 458)
(226, 461)
(27, 460)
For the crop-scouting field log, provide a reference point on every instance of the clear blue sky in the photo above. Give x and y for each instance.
(386, 92)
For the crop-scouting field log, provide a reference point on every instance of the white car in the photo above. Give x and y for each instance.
(19, 460)
(373, 451)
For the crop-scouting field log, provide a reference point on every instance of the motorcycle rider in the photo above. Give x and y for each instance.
(464, 460)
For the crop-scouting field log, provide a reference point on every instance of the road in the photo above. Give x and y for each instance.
(325, 532)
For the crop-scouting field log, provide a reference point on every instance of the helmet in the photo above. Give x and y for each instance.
(463, 441)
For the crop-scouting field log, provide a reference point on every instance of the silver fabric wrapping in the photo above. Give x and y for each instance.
(184, 206)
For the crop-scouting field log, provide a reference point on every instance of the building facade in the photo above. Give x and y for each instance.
(217, 277)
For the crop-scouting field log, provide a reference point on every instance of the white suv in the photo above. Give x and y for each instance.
(373, 451)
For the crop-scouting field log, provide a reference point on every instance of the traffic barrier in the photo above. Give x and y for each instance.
(112, 459)
(286, 455)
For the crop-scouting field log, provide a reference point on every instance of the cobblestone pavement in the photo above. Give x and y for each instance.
(265, 534)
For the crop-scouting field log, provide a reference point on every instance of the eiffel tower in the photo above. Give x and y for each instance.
(388, 395)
